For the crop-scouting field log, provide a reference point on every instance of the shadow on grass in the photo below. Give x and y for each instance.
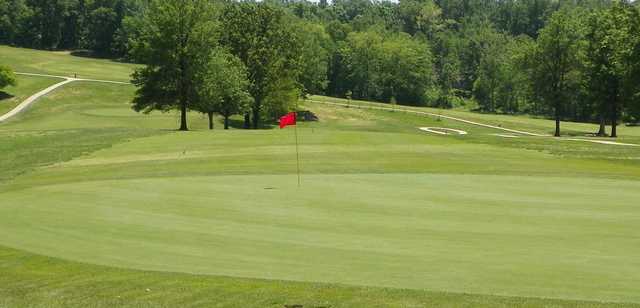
(5, 95)
(94, 55)
(238, 123)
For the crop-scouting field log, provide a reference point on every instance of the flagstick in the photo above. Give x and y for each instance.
(297, 153)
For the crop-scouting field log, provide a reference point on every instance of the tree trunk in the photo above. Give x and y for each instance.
(183, 115)
(182, 92)
(210, 114)
(226, 122)
(256, 117)
(614, 123)
(247, 121)
(602, 131)
(614, 113)
(557, 112)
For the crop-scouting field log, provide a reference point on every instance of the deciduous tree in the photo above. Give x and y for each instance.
(176, 39)
(222, 87)
(555, 62)
(261, 37)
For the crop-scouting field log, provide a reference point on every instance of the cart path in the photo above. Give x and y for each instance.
(72, 79)
(474, 123)
(32, 99)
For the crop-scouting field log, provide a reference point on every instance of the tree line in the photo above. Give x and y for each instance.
(573, 60)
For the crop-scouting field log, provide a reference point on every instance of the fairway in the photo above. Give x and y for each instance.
(64, 63)
(383, 206)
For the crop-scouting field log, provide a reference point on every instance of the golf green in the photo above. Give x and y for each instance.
(527, 236)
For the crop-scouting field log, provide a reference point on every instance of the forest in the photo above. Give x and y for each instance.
(568, 60)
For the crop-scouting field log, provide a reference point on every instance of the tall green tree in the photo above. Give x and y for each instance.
(555, 62)
(176, 38)
(406, 70)
(316, 46)
(362, 60)
(423, 16)
(501, 86)
(261, 37)
(14, 18)
(223, 87)
(102, 26)
(612, 56)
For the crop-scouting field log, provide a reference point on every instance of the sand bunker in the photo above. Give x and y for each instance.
(443, 130)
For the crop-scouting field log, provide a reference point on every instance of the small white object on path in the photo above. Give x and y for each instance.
(442, 130)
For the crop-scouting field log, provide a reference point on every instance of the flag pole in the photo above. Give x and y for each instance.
(295, 129)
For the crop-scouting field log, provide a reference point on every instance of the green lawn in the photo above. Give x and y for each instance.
(101, 206)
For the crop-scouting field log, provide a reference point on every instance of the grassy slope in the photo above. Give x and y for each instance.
(63, 64)
(531, 124)
(11, 96)
(356, 164)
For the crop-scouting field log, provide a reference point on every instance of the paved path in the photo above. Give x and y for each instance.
(31, 99)
(72, 79)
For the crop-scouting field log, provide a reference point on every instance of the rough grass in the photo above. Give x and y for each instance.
(30, 280)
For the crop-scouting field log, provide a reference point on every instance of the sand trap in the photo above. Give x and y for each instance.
(442, 130)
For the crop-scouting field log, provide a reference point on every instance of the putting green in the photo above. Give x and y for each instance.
(532, 236)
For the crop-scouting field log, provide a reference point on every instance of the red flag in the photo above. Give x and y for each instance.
(288, 119)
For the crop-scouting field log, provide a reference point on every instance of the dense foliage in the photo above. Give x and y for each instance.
(567, 59)
(7, 77)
